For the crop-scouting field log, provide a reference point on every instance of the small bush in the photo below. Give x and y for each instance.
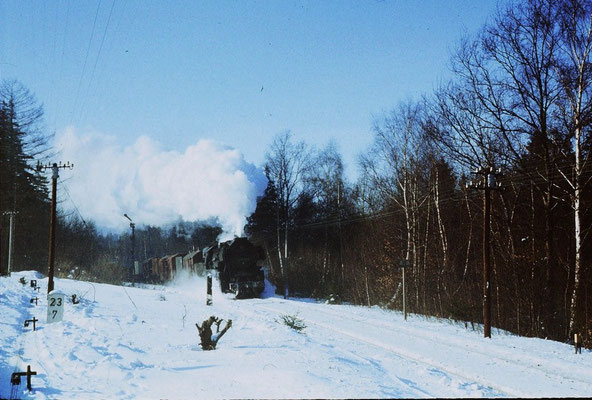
(293, 322)
(333, 299)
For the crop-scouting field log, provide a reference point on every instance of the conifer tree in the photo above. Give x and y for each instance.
(22, 188)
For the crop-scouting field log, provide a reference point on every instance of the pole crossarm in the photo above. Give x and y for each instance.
(44, 167)
(488, 183)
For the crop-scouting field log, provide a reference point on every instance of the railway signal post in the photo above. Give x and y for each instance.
(133, 244)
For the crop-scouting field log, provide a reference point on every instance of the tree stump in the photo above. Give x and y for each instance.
(209, 339)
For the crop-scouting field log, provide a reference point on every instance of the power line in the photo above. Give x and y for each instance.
(96, 62)
(73, 203)
(449, 196)
(85, 61)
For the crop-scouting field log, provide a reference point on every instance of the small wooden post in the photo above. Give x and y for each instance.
(577, 343)
(404, 297)
(15, 378)
(34, 320)
(403, 264)
(29, 373)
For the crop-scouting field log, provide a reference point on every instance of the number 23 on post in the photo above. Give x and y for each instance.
(55, 306)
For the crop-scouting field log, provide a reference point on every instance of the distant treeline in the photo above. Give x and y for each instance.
(81, 250)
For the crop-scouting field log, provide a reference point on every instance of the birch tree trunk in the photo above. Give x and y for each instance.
(576, 45)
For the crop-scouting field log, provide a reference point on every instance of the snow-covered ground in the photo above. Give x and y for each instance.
(128, 343)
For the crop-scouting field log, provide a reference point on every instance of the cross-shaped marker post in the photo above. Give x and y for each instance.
(31, 320)
(34, 300)
(15, 378)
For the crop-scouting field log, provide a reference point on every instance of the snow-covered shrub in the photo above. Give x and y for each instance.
(333, 299)
(293, 322)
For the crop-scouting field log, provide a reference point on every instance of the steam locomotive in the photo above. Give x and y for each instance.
(237, 263)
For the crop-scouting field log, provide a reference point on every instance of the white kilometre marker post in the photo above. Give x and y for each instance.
(55, 306)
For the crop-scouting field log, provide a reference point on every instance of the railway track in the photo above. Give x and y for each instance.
(500, 373)
(559, 368)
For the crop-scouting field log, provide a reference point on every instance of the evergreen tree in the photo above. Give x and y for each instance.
(22, 188)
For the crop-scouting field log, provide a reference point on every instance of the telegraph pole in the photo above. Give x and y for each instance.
(11, 215)
(487, 185)
(52, 222)
(133, 240)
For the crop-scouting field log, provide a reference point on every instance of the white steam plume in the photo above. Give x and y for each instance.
(155, 186)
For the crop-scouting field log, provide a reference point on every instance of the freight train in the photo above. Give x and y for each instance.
(237, 263)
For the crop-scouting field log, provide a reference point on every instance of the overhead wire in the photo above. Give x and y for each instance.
(445, 197)
(121, 10)
(72, 200)
(85, 61)
(59, 73)
(92, 75)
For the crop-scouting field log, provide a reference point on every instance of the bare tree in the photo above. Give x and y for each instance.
(499, 111)
(395, 165)
(574, 69)
(287, 163)
(328, 185)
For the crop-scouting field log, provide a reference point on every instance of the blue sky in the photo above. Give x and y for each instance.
(237, 72)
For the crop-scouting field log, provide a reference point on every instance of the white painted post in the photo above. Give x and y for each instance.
(55, 306)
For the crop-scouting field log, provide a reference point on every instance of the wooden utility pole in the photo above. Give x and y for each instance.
(11, 215)
(52, 222)
(404, 264)
(487, 185)
(133, 243)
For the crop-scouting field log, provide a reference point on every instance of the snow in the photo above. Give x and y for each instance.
(141, 342)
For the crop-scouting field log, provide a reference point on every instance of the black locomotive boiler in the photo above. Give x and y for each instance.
(238, 264)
